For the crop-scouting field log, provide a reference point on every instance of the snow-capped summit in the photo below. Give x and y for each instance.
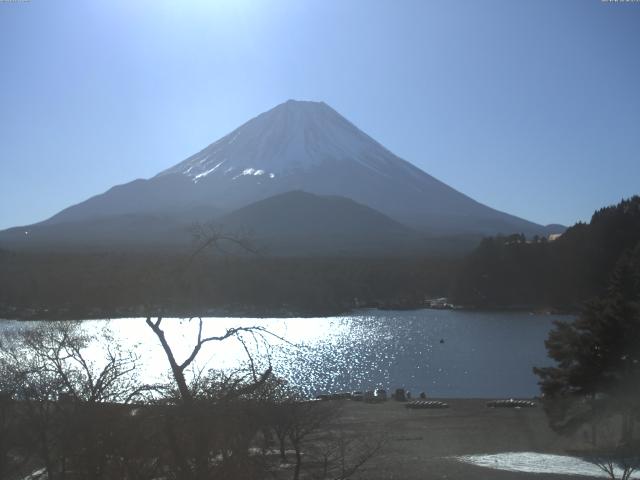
(293, 136)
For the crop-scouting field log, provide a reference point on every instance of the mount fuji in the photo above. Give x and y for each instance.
(296, 146)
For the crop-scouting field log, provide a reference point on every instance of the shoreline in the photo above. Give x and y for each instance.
(46, 315)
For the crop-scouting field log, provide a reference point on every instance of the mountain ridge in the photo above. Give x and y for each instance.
(294, 223)
(302, 146)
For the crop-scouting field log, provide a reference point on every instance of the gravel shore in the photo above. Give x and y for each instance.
(423, 444)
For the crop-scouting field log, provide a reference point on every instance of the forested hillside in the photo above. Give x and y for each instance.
(515, 272)
(69, 285)
(503, 272)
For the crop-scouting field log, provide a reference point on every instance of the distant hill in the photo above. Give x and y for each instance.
(513, 271)
(300, 223)
(292, 223)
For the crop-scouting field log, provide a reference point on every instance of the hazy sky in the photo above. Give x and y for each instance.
(529, 107)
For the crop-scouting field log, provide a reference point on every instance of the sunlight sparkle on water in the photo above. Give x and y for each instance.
(443, 353)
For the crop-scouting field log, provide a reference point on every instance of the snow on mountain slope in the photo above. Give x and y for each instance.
(300, 145)
(292, 136)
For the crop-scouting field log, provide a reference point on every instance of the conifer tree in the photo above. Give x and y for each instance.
(597, 372)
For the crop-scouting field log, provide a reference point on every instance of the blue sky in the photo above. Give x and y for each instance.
(531, 107)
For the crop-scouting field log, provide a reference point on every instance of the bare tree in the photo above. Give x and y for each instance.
(618, 456)
(317, 434)
(322, 445)
(341, 455)
(210, 427)
(306, 418)
(68, 401)
(620, 463)
(178, 368)
(194, 426)
(14, 441)
(213, 237)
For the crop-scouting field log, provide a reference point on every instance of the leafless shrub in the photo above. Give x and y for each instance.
(68, 403)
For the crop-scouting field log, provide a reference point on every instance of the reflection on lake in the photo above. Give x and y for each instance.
(445, 353)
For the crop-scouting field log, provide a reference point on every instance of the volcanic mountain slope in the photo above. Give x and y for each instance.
(293, 223)
(306, 146)
(309, 146)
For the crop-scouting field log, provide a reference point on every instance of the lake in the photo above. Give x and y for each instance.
(445, 353)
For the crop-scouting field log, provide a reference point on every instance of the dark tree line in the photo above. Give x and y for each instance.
(516, 272)
(504, 271)
(83, 285)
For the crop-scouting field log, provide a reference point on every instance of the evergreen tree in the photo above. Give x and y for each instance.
(597, 375)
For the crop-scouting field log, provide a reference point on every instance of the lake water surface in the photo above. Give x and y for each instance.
(445, 353)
